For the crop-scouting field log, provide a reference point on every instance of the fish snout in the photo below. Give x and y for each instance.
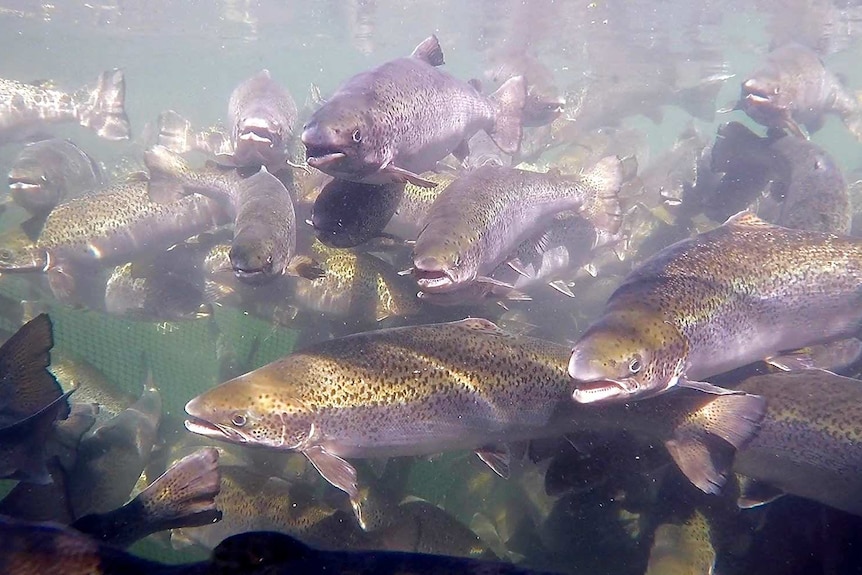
(593, 385)
(432, 274)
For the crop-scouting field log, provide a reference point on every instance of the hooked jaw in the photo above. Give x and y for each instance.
(756, 94)
(592, 384)
(432, 275)
(321, 147)
(200, 426)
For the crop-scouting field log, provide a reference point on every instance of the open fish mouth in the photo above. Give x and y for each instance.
(433, 280)
(257, 138)
(252, 275)
(319, 157)
(23, 184)
(756, 98)
(213, 430)
(599, 391)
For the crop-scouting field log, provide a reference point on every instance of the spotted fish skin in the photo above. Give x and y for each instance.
(810, 442)
(794, 88)
(399, 391)
(113, 226)
(425, 389)
(743, 292)
(27, 109)
(482, 217)
(397, 120)
(356, 285)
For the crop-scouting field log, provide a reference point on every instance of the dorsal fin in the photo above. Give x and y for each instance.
(429, 51)
(747, 219)
(479, 324)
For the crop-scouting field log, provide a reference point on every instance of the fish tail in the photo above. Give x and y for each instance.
(703, 446)
(603, 181)
(509, 102)
(175, 132)
(103, 108)
(167, 174)
(183, 496)
(699, 100)
(25, 360)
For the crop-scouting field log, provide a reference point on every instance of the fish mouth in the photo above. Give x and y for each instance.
(253, 276)
(258, 135)
(755, 98)
(213, 430)
(319, 158)
(756, 94)
(433, 280)
(23, 184)
(599, 391)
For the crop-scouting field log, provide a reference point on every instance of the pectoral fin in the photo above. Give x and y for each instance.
(792, 361)
(403, 176)
(708, 387)
(791, 126)
(304, 267)
(754, 493)
(497, 458)
(703, 447)
(334, 469)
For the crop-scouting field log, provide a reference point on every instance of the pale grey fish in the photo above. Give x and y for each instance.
(397, 120)
(28, 110)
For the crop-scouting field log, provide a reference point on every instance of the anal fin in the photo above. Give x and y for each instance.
(497, 458)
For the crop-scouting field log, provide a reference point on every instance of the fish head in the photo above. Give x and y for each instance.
(251, 410)
(340, 140)
(441, 269)
(256, 257)
(627, 355)
(23, 258)
(259, 140)
(31, 187)
(762, 98)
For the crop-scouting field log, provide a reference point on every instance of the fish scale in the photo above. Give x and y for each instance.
(743, 292)
(110, 226)
(424, 389)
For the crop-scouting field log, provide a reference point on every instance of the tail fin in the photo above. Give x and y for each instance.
(104, 109)
(183, 496)
(175, 132)
(166, 174)
(27, 385)
(24, 454)
(699, 100)
(509, 101)
(603, 182)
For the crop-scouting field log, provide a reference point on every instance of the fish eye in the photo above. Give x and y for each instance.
(635, 365)
(357, 136)
(6, 254)
(776, 90)
(238, 419)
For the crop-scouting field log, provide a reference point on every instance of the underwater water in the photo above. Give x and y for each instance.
(652, 85)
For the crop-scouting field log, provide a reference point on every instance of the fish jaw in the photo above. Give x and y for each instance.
(628, 354)
(25, 261)
(760, 102)
(258, 142)
(244, 411)
(214, 431)
(323, 150)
